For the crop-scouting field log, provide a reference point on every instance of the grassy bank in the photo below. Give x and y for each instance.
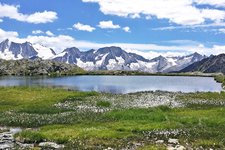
(220, 79)
(95, 121)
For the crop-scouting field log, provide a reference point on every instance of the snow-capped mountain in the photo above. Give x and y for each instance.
(178, 63)
(14, 51)
(107, 58)
(114, 58)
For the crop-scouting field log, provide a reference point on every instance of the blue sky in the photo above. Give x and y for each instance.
(163, 26)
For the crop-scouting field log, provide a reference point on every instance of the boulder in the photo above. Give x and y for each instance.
(50, 145)
(173, 141)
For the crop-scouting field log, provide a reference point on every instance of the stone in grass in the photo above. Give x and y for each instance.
(177, 147)
(25, 146)
(159, 141)
(5, 146)
(109, 148)
(173, 141)
(50, 145)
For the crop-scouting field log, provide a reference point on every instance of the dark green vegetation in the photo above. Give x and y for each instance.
(91, 120)
(220, 79)
(25, 67)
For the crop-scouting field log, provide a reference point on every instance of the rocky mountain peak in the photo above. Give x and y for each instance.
(4, 45)
(116, 51)
(13, 50)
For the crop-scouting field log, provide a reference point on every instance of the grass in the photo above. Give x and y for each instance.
(204, 127)
(213, 96)
(36, 99)
(198, 124)
(103, 104)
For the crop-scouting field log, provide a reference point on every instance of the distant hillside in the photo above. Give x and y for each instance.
(37, 67)
(212, 64)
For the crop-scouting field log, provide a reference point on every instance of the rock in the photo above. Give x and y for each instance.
(173, 141)
(3, 129)
(15, 130)
(177, 147)
(180, 147)
(5, 146)
(25, 146)
(6, 137)
(50, 145)
(159, 142)
(109, 148)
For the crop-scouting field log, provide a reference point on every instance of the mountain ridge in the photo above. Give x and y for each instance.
(211, 64)
(106, 58)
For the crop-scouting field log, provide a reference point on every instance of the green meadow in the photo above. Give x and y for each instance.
(90, 120)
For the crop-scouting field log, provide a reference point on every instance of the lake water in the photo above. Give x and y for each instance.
(119, 84)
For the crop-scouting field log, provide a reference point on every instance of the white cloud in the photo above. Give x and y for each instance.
(216, 24)
(8, 35)
(213, 14)
(83, 27)
(108, 25)
(49, 33)
(126, 29)
(222, 30)
(37, 32)
(182, 12)
(12, 12)
(153, 54)
(1, 20)
(217, 3)
(60, 42)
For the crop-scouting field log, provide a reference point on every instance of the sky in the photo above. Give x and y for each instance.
(146, 27)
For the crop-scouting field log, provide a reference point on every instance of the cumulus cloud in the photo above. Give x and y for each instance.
(1, 20)
(217, 3)
(12, 12)
(37, 32)
(209, 25)
(182, 12)
(60, 42)
(8, 34)
(49, 33)
(82, 27)
(108, 25)
(222, 30)
(126, 29)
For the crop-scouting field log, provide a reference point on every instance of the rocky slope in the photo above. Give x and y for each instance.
(212, 64)
(37, 67)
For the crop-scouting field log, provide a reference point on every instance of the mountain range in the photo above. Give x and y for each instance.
(107, 58)
(211, 64)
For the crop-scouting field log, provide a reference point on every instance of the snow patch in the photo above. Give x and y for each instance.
(43, 52)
